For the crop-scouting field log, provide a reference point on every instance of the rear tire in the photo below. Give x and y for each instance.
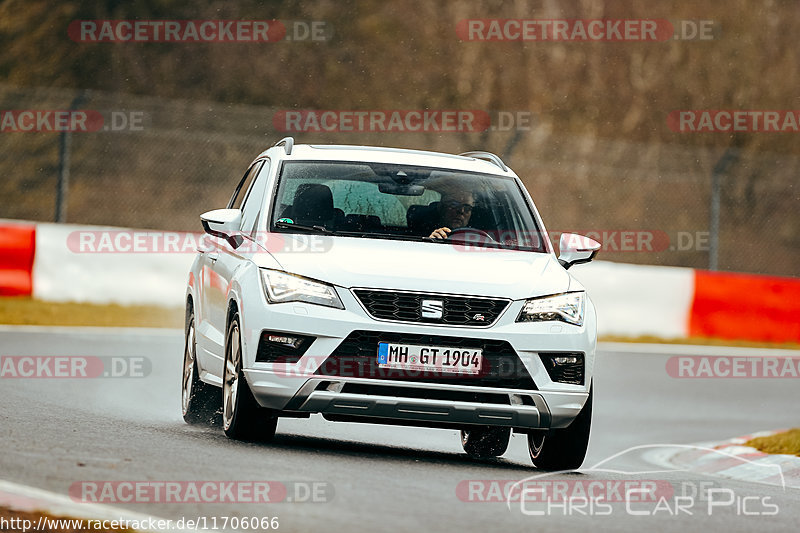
(242, 417)
(563, 449)
(485, 442)
(199, 400)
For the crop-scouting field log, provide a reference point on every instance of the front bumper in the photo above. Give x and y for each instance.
(295, 388)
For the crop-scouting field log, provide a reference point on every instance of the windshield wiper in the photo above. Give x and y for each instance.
(302, 227)
(394, 236)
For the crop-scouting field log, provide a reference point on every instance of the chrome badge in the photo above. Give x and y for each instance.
(432, 308)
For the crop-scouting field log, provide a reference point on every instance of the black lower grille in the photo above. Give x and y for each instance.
(407, 307)
(357, 356)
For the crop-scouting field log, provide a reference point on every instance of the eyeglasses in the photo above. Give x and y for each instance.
(458, 206)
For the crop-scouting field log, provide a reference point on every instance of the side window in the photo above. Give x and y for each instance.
(244, 185)
(255, 197)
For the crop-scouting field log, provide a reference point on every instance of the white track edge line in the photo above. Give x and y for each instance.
(60, 505)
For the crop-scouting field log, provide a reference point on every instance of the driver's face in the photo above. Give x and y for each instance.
(457, 209)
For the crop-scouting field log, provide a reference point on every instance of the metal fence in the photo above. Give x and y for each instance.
(158, 163)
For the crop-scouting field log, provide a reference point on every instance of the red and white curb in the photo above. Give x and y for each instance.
(732, 459)
(30, 499)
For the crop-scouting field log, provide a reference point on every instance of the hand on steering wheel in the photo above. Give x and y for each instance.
(439, 233)
(444, 233)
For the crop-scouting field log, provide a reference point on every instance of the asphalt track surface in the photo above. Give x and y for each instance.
(56, 432)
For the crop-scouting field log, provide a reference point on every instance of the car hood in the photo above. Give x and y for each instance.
(422, 266)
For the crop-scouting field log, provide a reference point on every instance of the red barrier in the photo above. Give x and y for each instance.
(17, 247)
(744, 306)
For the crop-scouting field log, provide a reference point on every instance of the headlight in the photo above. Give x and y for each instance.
(282, 287)
(566, 307)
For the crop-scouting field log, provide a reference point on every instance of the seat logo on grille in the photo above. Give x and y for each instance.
(432, 308)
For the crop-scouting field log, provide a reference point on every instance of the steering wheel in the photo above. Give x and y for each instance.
(463, 232)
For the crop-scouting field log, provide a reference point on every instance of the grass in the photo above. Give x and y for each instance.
(787, 443)
(27, 311)
(703, 341)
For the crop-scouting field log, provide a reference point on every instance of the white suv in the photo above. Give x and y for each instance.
(390, 286)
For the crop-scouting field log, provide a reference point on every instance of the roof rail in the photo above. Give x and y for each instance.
(487, 156)
(288, 144)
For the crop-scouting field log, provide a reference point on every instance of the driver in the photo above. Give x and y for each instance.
(454, 211)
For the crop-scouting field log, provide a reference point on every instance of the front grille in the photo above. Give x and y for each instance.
(357, 356)
(407, 307)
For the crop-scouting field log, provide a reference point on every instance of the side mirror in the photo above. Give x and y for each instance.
(575, 249)
(223, 223)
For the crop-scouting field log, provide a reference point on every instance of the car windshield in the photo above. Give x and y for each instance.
(395, 201)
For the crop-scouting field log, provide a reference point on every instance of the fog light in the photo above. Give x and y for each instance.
(568, 360)
(293, 342)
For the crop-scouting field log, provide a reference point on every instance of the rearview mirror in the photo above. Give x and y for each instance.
(399, 189)
(575, 249)
(223, 223)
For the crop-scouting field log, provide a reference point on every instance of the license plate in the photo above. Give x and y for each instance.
(433, 358)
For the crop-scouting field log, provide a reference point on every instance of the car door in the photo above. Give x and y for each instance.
(210, 315)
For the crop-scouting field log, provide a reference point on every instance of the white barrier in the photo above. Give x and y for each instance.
(61, 272)
(634, 300)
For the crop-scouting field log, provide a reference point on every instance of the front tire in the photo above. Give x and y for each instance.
(563, 449)
(199, 400)
(242, 417)
(485, 442)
